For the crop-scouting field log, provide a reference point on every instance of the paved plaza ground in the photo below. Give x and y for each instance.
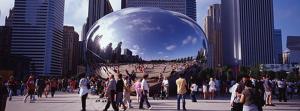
(71, 102)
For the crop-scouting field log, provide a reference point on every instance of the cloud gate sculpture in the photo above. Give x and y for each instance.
(144, 36)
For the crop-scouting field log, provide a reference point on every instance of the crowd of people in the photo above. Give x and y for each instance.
(248, 94)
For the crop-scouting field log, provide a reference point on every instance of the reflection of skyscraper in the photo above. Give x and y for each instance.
(37, 33)
(118, 51)
(97, 9)
(277, 46)
(247, 27)
(108, 51)
(214, 34)
(127, 52)
(70, 51)
(187, 7)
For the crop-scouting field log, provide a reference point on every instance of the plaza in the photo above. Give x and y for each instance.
(71, 102)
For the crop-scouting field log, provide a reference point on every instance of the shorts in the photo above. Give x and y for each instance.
(212, 89)
(268, 93)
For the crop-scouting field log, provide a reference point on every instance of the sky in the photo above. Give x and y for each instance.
(286, 14)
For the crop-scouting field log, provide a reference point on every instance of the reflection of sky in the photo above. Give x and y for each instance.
(151, 33)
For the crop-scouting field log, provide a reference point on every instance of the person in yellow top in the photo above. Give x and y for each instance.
(181, 91)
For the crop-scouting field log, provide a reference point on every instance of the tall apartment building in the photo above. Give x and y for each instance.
(187, 7)
(70, 51)
(96, 10)
(37, 33)
(213, 30)
(247, 27)
(277, 42)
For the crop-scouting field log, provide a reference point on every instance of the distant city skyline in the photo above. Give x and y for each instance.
(285, 14)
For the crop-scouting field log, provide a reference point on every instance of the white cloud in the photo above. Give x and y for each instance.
(194, 41)
(5, 6)
(76, 12)
(170, 47)
(189, 39)
(160, 52)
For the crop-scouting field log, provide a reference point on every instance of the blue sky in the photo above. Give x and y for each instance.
(286, 14)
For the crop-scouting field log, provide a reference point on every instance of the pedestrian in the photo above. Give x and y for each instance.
(83, 91)
(138, 89)
(145, 91)
(281, 84)
(165, 84)
(40, 86)
(110, 93)
(53, 86)
(11, 87)
(3, 95)
(268, 91)
(204, 89)
(236, 104)
(127, 91)
(181, 91)
(259, 88)
(212, 88)
(119, 91)
(194, 89)
(30, 89)
(47, 87)
(248, 97)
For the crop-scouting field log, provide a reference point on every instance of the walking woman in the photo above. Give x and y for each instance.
(212, 88)
(138, 89)
(30, 89)
(47, 88)
(53, 85)
(83, 91)
(248, 97)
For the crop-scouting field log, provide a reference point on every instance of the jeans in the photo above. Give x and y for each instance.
(282, 95)
(83, 101)
(111, 100)
(193, 96)
(53, 89)
(179, 97)
(119, 99)
(144, 97)
(10, 93)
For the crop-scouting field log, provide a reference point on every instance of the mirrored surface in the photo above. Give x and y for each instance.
(144, 34)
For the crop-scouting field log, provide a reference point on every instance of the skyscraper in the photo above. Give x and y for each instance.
(294, 47)
(97, 9)
(277, 47)
(5, 37)
(247, 32)
(37, 33)
(187, 7)
(214, 33)
(70, 51)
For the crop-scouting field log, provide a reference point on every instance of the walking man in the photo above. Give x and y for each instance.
(282, 89)
(181, 91)
(120, 89)
(3, 95)
(145, 91)
(111, 93)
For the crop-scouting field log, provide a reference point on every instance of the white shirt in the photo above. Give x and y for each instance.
(232, 91)
(194, 87)
(165, 83)
(212, 84)
(145, 85)
(83, 86)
